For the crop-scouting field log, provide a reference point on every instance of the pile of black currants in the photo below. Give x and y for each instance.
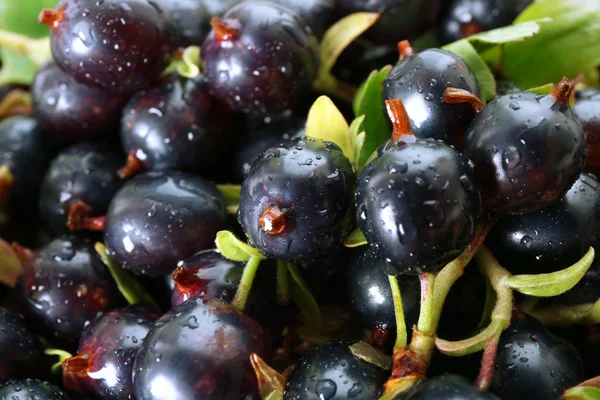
(201, 222)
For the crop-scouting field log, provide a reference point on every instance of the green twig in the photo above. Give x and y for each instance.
(243, 292)
(401, 335)
(426, 323)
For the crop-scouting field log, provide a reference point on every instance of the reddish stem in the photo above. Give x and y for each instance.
(379, 337)
(6, 183)
(132, 166)
(487, 364)
(405, 49)
(75, 369)
(225, 29)
(79, 218)
(51, 17)
(562, 92)
(400, 120)
(23, 253)
(461, 96)
(185, 280)
(273, 220)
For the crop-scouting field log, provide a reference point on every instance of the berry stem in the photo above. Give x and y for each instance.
(283, 284)
(62, 356)
(37, 50)
(484, 379)
(562, 93)
(490, 301)
(303, 298)
(79, 218)
(132, 167)
(225, 29)
(461, 96)
(328, 84)
(425, 324)
(405, 49)
(401, 335)
(400, 120)
(75, 369)
(185, 280)
(6, 182)
(243, 292)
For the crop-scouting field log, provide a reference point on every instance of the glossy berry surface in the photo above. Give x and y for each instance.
(26, 389)
(370, 295)
(177, 126)
(261, 58)
(200, 349)
(160, 218)
(534, 363)
(400, 19)
(103, 365)
(447, 387)
(120, 46)
(72, 112)
(587, 111)
(294, 199)
(417, 206)
(20, 349)
(325, 275)
(463, 18)
(86, 172)
(528, 150)
(552, 238)
(420, 80)
(319, 14)
(332, 372)
(64, 286)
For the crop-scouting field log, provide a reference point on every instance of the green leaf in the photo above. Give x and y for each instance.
(465, 50)
(128, 285)
(555, 283)
(327, 123)
(355, 239)
(566, 46)
(10, 265)
(515, 33)
(303, 298)
(358, 136)
(372, 355)
(232, 196)
(471, 345)
(370, 104)
(582, 393)
(543, 89)
(234, 249)
(62, 356)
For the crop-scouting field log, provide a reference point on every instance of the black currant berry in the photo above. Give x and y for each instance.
(463, 18)
(319, 14)
(552, 238)
(26, 389)
(117, 45)
(200, 350)
(160, 218)
(420, 80)
(325, 276)
(295, 199)
(86, 174)
(587, 111)
(332, 372)
(416, 203)
(20, 349)
(73, 112)
(447, 387)
(533, 363)
(261, 58)
(528, 150)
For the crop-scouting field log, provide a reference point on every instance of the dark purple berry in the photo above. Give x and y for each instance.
(20, 349)
(587, 111)
(447, 387)
(319, 14)
(31, 389)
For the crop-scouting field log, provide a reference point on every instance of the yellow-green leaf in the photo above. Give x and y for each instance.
(327, 123)
(234, 249)
(355, 239)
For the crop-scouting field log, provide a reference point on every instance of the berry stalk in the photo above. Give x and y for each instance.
(243, 292)
(401, 335)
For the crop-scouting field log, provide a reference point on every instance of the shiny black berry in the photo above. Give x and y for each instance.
(587, 111)
(319, 14)
(20, 348)
(295, 198)
(261, 58)
(160, 218)
(527, 149)
(447, 387)
(26, 389)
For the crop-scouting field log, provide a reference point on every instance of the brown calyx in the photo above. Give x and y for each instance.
(405, 49)
(184, 279)
(400, 120)
(273, 220)
(51, 17)
(379, 337)
(469, 29)
(23, 253)
(562, 92)
(132, 167)
(79, 218)
(461, 96)
(225, 29)
(6, 182)
(408, 369)
(75, 369)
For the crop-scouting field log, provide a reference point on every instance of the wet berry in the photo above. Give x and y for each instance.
(534, 363)
(319, 14)
(447, 387)
(72, 112)
(420, 79)
(103, 365)
(120, 46)
(587, 111)
(200, 349)
(552, 238)
(160, 218)
(64, 285)
(31, 389)
(295, 198)
(332, 372)
(261, 58)
(527, 149)
(85, 173)
(20, 349)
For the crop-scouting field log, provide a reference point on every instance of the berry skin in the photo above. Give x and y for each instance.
(332, 372)
(447, 387)
(86, 173)
(31, 389)
(400, 19)
(295, 198)
(317, 13)
(104, 362)
(552, 238)
(117, 45)
(200, 350)
(72, 112)
(528, 150)
(587, 111)
(463, 18)
(417, 206)
(160, 218)
(370, 295)
(420, 80)
(177, 126)
(261, 58)
(533, 363)
(64, 285)
(20, 349)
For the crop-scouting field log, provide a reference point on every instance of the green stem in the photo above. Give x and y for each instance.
(37, 50)
(490, 301)
(243, 292)
(426, 324)
(62, 355)
(401, 335)
(498, 278)
(283, 284)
